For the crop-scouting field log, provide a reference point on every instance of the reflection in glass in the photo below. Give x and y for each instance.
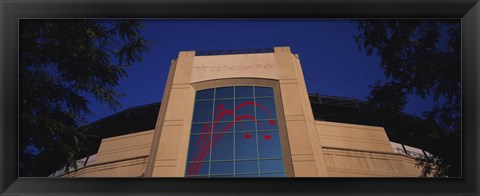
(243, 91)
(247, 175)
(222, 148)
(244, 110)
(222, 168)
(263, 91)
(271, 165)
(224, 92)
(245, 146)
(221, 176)
(201, 128)
(203, 111)
(245, 126)
(269, 145)
(199, 168)
(223, 127)
(279, 174)
(265, 108)
(204, 94)
(223, 110)
(246, 166)
(197, 146)
(270, 125)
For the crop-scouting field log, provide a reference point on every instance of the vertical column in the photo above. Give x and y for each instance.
(173, 123)
(305, 147)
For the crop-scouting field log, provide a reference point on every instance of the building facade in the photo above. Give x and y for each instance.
(245, 114)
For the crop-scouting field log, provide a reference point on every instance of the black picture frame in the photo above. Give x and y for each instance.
(11, 11)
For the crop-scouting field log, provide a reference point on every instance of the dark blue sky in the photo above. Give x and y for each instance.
(331, 61)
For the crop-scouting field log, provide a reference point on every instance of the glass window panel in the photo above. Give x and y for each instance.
(222, 176)
(223, 110)
(244, 110)
(269, 145)
(244, 126)
(203, 111)
(198, 128)
(221, 168)
(204, 94)
(271, 165)
(225, 127)
(197, 168)
(245, 146)
(268, 125)
(222, 148)
(266, 108)
(263, 91)
(202, 176)
(281, 174)
(243, 91)
(246, 166)
(246, 175)
(198, 145)
(224, 92)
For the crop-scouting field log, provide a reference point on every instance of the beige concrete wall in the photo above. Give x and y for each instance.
(125, 147)
(260, 65)
(356, 163)
(305, 147)
(133, 167)
(167, 156)
(362, 151)
(121, 156)
(355, 137)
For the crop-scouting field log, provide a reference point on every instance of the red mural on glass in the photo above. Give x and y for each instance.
(267, 137)
(204, 142)
(247, 135)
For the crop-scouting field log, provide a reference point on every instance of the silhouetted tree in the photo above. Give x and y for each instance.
(420, 57)
(60, 63)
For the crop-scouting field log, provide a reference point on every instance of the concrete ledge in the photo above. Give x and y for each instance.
(347, 125)
(128, 135)
(111, 165)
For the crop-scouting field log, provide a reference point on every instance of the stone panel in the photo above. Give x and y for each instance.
(290, 98)
(305, 169)
(298, 138)
(349, 136)
(169, 142)
(124, 147)
(260, 65)
(176, 105)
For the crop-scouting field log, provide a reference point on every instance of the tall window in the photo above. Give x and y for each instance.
(235, 134)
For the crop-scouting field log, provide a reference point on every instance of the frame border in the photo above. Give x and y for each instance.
(11, 11)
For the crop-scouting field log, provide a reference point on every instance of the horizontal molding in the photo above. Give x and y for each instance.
(352, 139)
(364, 172)
(82, 171)
(173, 122)
(109, 164)
(288, 81)
(124, 149)
(294, 117)
(129, 135)
(347, 125)
(166, 163)
(180, 86)
(338, 151)
(172, 125)
(303, 157)
(321, 135)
